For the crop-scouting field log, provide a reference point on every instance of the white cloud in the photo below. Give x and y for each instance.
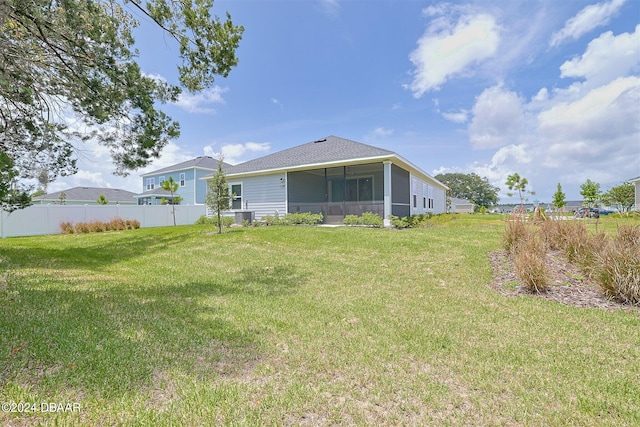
(449, 49)
(498, 118)
(605, 112)
(606, 58)
(200, 102)
(571, 134)
(330, 8)
(277, 102)
(587, 19)
(380, 131)
(457, 117)
(589, 129)
(238, 153)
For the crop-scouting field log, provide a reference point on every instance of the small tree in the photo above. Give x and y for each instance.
(559, 198)
(102, 200)
(218, 197)
(516, 182)
(590, 191)
(622, 196)
(171, 186)
(62, 198)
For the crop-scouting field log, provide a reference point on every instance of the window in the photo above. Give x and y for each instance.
(161, 180)
(415, 201)
(182, 179)
(236, 196)
(430, 195)
(424, 202)
(151, 183)
(351, 190)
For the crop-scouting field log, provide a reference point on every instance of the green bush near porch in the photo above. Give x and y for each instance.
(368, 219)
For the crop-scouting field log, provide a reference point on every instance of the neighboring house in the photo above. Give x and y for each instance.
(572, 205)
(636, 181)
(461, 205)
(87, 196)
(336, 177)
(188, 175)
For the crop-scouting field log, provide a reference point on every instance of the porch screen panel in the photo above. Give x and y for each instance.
(306, 191)
(400, 192)
(364, 189)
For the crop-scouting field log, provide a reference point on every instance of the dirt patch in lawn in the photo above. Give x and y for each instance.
(568, 284)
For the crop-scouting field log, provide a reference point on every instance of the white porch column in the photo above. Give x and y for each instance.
(387, 192)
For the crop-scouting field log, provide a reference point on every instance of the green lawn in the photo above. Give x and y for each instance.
(300, 326)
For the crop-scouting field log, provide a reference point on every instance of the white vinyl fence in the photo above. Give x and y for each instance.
(46, 219)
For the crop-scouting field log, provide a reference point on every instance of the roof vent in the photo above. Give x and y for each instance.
(320, 140)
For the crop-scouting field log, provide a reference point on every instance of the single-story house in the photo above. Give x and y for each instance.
(336, 177)
(636, 181)
(87, 196)
(188, 175)
(461, 205)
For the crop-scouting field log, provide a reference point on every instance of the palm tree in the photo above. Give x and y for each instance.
(171, 186)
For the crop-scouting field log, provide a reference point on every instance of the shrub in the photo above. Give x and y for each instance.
(227, 221)
(118, 224)
(99, 226)
(529, 256)
(66, 227)
(132, 224)
(369, 219)
(302, 218)
(421, 220)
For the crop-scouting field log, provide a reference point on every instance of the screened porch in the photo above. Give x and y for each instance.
(337, 191)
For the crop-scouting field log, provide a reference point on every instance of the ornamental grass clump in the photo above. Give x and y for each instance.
(617, 266)
(530, 261)
(555, 233)
(515, 231)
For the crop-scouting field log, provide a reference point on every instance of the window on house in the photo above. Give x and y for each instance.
(151, 183)
(424, 202)
(415, 201)
(351, 190)
(430, 195)
(182, 179)
(160, 181)
(236, 196)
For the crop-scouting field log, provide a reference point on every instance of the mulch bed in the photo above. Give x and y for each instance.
(568, 284)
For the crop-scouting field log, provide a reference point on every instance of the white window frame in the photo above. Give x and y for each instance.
(183, 179)
(151, 183)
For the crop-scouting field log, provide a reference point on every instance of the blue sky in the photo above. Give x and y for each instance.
(548, 89)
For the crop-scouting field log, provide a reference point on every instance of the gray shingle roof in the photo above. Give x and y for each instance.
(329, 149)
(458, 201)
(157, 192)
(202, 162)
(90, 194)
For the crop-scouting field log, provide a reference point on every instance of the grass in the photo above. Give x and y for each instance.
(300, 326)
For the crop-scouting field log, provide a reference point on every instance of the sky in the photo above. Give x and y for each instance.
(548, 89)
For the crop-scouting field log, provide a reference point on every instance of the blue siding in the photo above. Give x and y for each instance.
(194, 189)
